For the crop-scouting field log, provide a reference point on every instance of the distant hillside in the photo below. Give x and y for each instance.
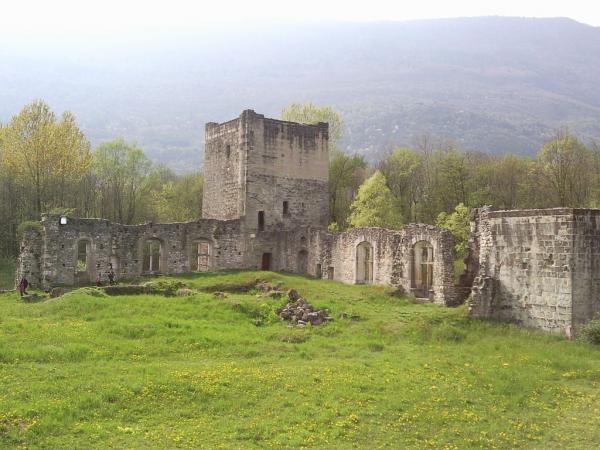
(492, 84)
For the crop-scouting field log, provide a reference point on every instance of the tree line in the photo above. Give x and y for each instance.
(47, 164)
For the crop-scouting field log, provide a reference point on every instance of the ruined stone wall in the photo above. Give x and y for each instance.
(444, 290)
(121, 246)
(28, 262)
(224, 171)
(393, 257)
(586, 266)
(286, 162)
(537, 267)
(290, 250)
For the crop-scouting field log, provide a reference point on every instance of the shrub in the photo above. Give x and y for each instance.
(590, 332)
(261, 313)
(168, 288)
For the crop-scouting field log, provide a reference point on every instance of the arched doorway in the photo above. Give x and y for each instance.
(364, 263)
(152, 253)
(302, 261)
(422, 269)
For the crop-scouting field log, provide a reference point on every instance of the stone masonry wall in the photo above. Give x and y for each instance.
(537, 267)
(586, 265)
(393, 262)
(286, 162)
(28, 262)
(224, 171)
(122, 247)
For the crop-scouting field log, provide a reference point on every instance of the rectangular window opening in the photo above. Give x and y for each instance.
(261, 221)
(286, 210)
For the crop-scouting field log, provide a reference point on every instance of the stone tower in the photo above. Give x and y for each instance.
(270, 173)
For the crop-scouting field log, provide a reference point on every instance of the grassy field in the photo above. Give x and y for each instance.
(83, 371)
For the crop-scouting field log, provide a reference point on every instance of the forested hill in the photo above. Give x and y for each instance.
(491, 84)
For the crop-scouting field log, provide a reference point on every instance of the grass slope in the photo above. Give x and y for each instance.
(197, 372)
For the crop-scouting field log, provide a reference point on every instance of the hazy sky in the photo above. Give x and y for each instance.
(50, 17)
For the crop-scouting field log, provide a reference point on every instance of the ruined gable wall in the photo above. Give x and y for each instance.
(526, 267)
(392, 257)
(341, 254)
(289, 162)
(224, 171)
(444, 291)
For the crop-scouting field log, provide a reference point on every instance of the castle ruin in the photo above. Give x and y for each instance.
(265, 206)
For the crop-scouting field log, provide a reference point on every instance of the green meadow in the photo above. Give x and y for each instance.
(87, 370)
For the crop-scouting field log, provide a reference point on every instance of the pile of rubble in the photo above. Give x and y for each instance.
(299, 312)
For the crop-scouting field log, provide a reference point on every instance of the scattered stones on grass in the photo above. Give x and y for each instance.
(349, 316)
(220, 294)
(300, 313)
(184, 292)
(271, 290)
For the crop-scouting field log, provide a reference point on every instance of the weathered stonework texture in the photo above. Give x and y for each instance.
(254, 164)
(394, 261)
(265, 206)
(538, 268)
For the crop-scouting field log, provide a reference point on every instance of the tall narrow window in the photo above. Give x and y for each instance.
(82, 256)
(227, 151)
(364, 263)
(201, 256)
(152, 253)
(286, 210)
(261, 221)
(422, 269)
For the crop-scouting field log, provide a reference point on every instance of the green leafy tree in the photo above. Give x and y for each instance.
(179, 200)
(374, 205)
(312, 114)
(45, 153)
(346, 174)
(566, 165)
(459, 224)
(403, 171)
(121, 171)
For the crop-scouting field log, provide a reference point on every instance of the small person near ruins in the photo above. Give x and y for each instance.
(111, 277)
(23, 285)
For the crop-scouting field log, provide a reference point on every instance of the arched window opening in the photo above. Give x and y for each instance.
(422, 269)
(201, 256)
(83, 256)
(364, 263)
(152, 254)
